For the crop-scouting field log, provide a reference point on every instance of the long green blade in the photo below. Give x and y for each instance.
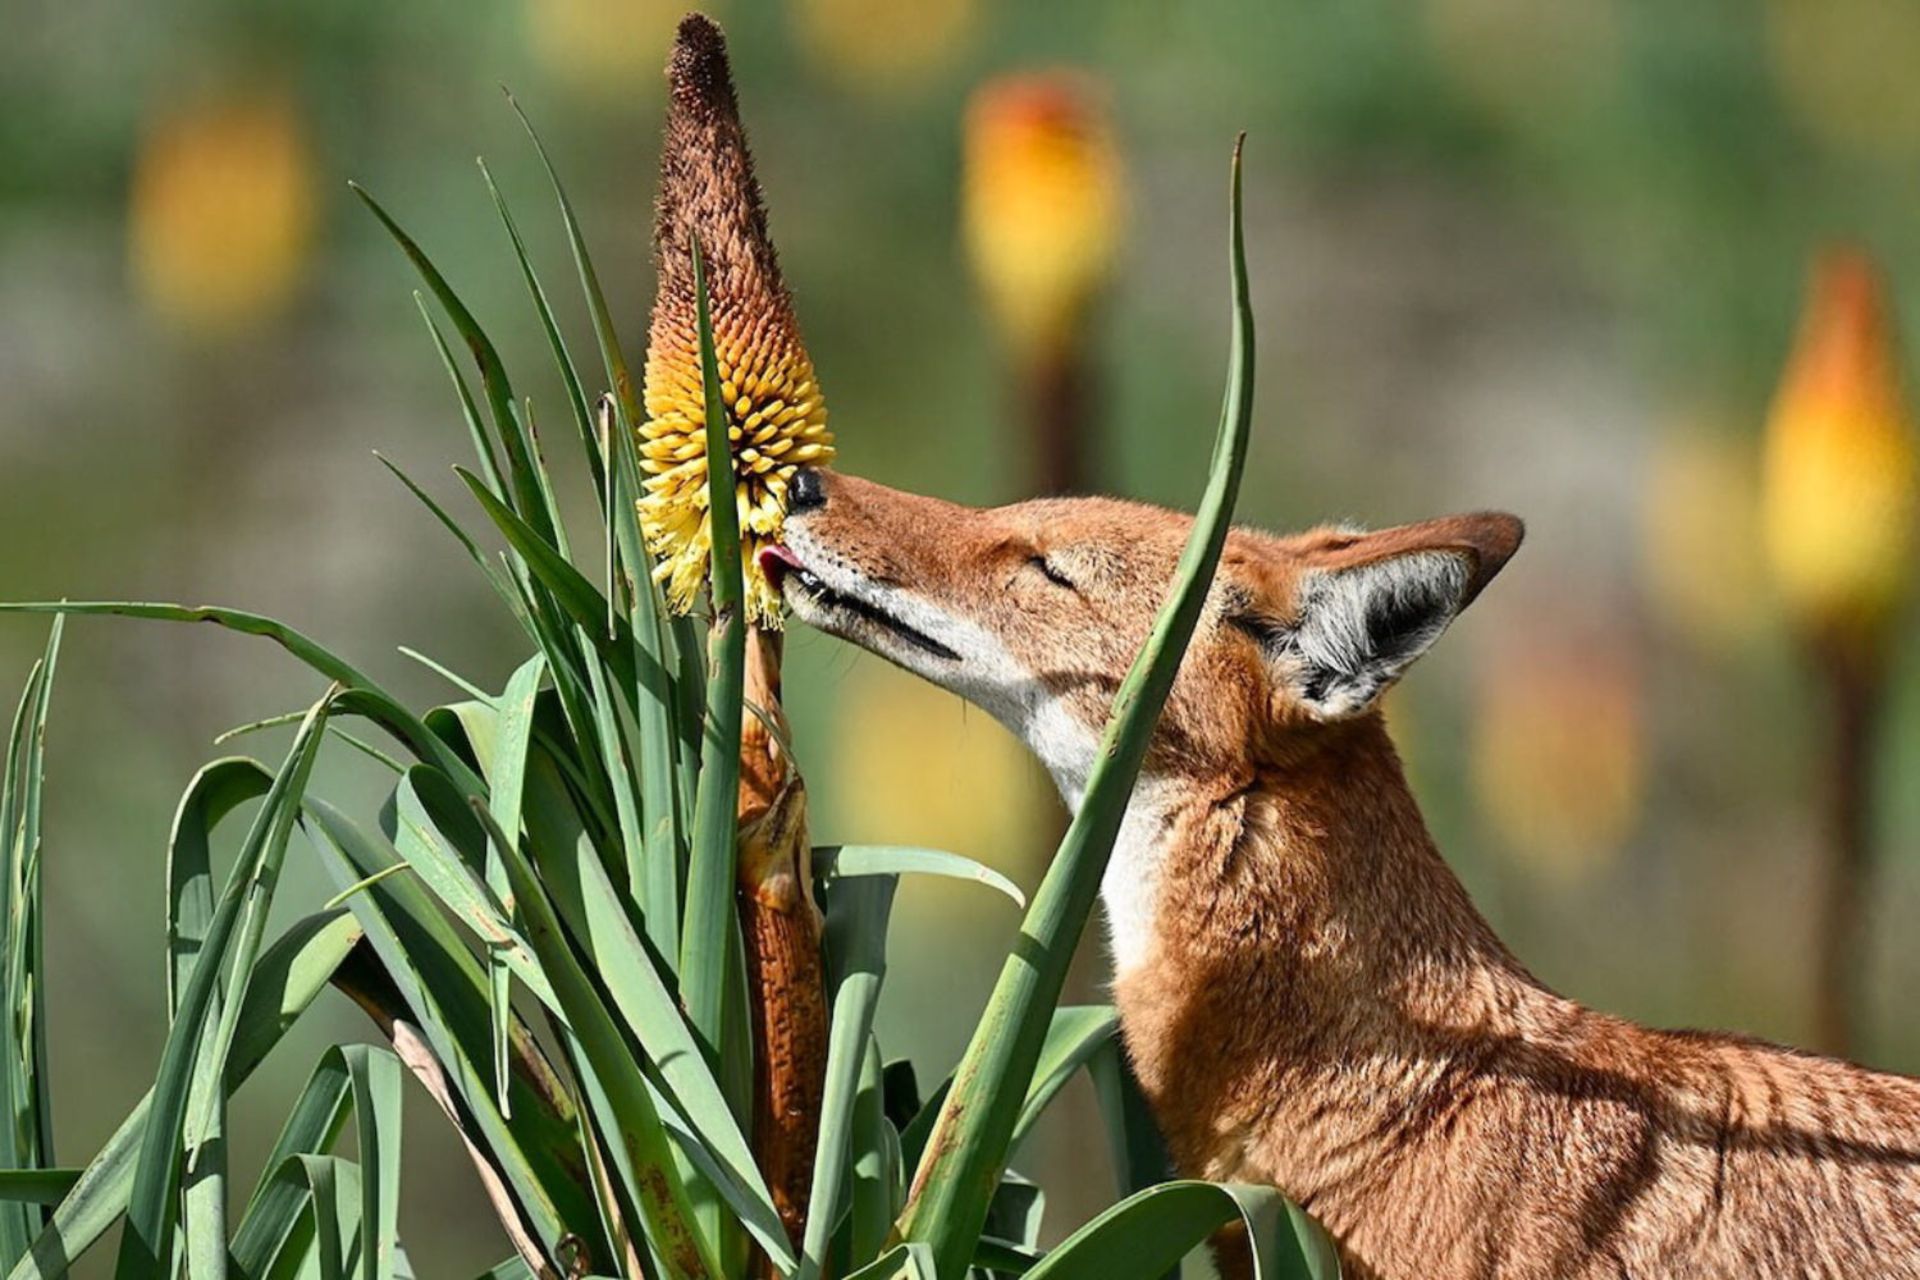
(26, 1136)
(661, 1193)
(216, 790)
(569, 376)
(362, 696)
(857, 914)
(531, 498)
(444, 990)
(295, 969)
(968, 1150)
(37, 1186)
(710, 946)
(146, 1245)
(318, 1116)
(658, 878)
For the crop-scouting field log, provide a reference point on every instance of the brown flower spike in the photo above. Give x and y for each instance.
(777, 423)
(777, 420)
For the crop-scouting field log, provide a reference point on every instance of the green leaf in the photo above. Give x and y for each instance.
(502, 586)
(362, 696)
(711, 971)
(580, 599)
(902, 1262)
(712, 952)
(856, 940)
(26, 1122)
(369, 1077)
(1077, 1033)
(313, 1124)
(1149, 1233)
(444, 989)
(514, 1268)
(147, 1243)
(215, 791)
(569, 376)
(878, 1175)
(295, 969)
(482, 446)
(969, 1146)
(887, 859)
(590, 907)
(661, 1192)
(37, 1186)
(436, 838)
(531, 498)
(658, 880)
(1140, 1158)
(506, 784)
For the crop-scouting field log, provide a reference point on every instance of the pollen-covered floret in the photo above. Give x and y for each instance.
(777, 422)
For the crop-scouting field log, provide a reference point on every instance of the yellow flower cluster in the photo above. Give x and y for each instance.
(777, 422)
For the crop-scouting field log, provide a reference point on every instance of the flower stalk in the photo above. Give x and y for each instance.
(1841, 494)
(775, 423)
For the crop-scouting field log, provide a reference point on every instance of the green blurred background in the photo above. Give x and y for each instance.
(1541, 257)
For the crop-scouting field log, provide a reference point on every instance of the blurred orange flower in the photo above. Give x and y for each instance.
(1840, 485)
(882, 46)
(1043, 201)
(1558, 752)
(222, 209)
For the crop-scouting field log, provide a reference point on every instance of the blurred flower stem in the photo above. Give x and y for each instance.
(1839, 507)
(1042, 214)
(1853, 695)
(777, 423)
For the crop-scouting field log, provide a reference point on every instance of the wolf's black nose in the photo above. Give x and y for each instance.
(806, 490)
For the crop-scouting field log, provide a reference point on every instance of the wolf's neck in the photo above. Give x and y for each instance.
(1318, 871)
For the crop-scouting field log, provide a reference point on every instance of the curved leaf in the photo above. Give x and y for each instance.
(1150, 1232)
(295, 969)
(1075, 1035)
(892, 859)
(146, 1246)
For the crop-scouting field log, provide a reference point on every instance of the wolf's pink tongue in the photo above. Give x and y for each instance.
(774, 561)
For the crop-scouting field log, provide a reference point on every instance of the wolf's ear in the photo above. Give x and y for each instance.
(1366, 607)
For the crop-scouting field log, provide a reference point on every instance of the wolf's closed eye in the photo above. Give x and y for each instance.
(1052, 573)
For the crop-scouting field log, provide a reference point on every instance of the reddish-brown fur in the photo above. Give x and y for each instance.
(1322, 1008)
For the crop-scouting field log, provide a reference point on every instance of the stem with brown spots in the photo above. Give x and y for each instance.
(786, 984)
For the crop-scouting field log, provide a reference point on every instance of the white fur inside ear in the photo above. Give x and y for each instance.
(1360, 628)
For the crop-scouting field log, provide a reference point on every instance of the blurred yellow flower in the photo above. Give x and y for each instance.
(222, 209)
(1700, 536)
(777, 419)
(914, 765)
(598, 47)
(882, 46)
(1043, 201)
(1558, 750)
(1840, 485)
(1846, 69)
